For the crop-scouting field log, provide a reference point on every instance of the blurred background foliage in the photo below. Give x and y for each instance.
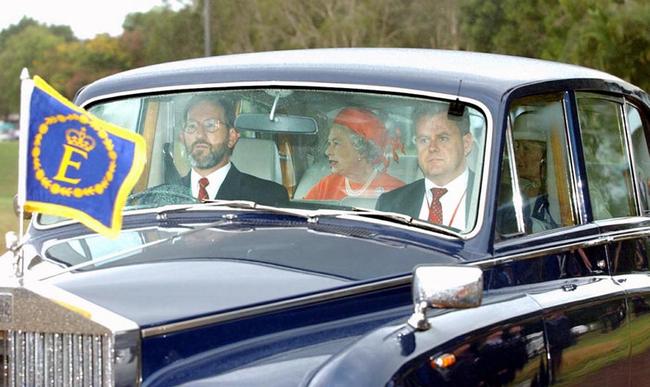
(613, 36)
(610, 35)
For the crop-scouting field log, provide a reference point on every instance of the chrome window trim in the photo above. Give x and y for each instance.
(600, 239)
(626, 220)
(568, 147)
(620, 100)
(488, 263)
(576, 194)
(489, 120)
(628, 153)
(517, 199)
(631, 154)
(274, 306)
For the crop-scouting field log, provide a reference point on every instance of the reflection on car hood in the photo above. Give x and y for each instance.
(167, 291)
(238, 265)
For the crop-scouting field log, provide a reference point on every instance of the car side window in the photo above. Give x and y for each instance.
(638, 133)
(573, 263)
(629, 256)
(605, 152)
(535, 180)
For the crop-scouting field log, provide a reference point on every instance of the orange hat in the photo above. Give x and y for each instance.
(363, 123)
(366, 124)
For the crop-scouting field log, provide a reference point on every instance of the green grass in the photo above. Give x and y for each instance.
(8, 187)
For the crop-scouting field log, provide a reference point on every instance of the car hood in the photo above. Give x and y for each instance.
(222, 269)
(156, 293)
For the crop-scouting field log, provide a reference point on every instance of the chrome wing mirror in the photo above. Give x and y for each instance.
(436, 286)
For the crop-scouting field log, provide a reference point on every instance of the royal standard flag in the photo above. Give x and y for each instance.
(73, 164)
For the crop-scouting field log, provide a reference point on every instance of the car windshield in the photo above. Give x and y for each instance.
(308, 149)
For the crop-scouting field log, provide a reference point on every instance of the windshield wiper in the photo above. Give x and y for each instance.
(234, 204)
(310, 216)
(401, 219)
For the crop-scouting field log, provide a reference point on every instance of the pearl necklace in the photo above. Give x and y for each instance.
(351, 192)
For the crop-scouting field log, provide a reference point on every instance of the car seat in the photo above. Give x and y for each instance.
(258, 157)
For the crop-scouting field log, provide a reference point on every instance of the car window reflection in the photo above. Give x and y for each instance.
(363, 146)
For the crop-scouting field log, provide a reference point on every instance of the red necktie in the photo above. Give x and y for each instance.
(203, 193)
(435, 209)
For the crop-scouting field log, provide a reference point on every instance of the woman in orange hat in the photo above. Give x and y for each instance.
(355, 150)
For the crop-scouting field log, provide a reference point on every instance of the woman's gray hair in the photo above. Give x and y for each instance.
(367, 149)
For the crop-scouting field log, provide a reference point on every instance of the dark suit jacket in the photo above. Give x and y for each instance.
(407, 200)
(241, 186)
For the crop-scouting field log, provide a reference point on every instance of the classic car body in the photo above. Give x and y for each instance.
(321, 293)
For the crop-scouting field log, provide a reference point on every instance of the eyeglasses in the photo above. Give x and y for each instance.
(210, 125)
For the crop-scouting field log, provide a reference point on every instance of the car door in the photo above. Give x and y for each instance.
(618, 165)
(546, 241)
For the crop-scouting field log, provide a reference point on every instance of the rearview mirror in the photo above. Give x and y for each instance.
(437, 286)
(279, 123)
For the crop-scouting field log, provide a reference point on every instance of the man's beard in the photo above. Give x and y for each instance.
(207, 160)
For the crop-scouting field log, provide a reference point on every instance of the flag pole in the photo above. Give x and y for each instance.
(26, 87)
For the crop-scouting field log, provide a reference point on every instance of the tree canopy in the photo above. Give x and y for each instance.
(613, 36)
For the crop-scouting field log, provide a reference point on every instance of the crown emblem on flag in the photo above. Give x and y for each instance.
(79, 139)
(60, 177)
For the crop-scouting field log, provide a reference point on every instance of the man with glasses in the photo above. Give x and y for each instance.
(443, 142)
(209, 138)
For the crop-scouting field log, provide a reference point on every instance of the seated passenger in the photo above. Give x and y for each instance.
(530, 155)
(443, 143)
(209, 138)
(355, 149)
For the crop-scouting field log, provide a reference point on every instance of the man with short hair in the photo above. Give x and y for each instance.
(209, 139)
(443, 142)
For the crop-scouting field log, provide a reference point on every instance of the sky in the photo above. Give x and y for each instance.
(86, 18)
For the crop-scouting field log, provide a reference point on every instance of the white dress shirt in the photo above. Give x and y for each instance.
(453, 202)
(216, 178)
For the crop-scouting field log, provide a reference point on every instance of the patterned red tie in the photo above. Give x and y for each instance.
(203, 193)
(435, 209)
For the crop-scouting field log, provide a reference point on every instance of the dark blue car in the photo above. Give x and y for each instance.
(371, 217)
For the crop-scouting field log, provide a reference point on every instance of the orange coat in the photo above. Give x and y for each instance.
(332, 187)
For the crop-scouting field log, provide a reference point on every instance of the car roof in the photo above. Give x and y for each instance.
(419, 69)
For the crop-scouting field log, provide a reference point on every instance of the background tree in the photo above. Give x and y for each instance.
(609, 35)
(162, 35)
(72, 65)
(432, 24)
(25, 45)
(613, 36)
